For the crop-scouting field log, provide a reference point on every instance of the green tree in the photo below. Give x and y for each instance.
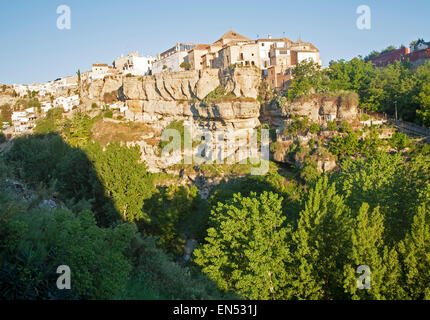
(77, 131)
(35, 242)
(308, 76)
(368, 249)
(422, 96)
(175, 214)
(322, 245)
(400, 141)
(415, 251)
(246, 247)
(124, 177)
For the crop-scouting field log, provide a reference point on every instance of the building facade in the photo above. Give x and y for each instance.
(171, 60)
(240, 53)
(138, 66)
(264, 46)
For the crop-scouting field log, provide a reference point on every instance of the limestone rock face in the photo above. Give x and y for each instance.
(243, 82)
(208, 82)
(347, 113)
(133, 89)
(111, 84)
(95, 89)
(317, 110)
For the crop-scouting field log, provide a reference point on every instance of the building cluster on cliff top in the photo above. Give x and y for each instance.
(275, 57)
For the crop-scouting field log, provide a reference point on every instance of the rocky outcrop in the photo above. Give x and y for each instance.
(317, 109)
(194, 97)
(163, 98)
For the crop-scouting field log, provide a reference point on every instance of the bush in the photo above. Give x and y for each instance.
(185, 65)
(35, 242)
(157, 276)
(217, 95)
(345, 127)
(299, 126)
(50, 123)
(331, 126)
(309, 172)
(400, 141)
(344, 146)
(315, 128)
(108, 114)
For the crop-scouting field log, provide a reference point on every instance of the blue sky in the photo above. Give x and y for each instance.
(32, 49)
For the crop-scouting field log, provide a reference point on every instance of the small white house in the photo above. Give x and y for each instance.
(46, 106)
(67, 103)
(138, 66)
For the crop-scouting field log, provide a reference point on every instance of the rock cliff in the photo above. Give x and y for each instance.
(194, 97)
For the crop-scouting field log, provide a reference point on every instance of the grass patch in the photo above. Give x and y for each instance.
(105, 132)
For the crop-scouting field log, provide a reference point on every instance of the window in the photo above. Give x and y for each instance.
(241, 56)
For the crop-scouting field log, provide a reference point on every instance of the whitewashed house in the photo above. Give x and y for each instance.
(138, 66)
(67, 103)
(46, 106)
(23, 121)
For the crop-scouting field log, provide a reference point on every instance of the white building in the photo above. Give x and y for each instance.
(172, 59)
(23, 121)
(138, 66)
(46, 88)
(46, 106)
(67, 103)
(100, 71)
(264, 46)
(17, 115)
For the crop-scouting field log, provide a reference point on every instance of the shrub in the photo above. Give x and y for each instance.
(345, 127)
(36, 241)
(108, 114)
(315, 128)
(50, 123)
(309, 172)
(185, 65)
(299, 126)
(400, 141)
(331, 125)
